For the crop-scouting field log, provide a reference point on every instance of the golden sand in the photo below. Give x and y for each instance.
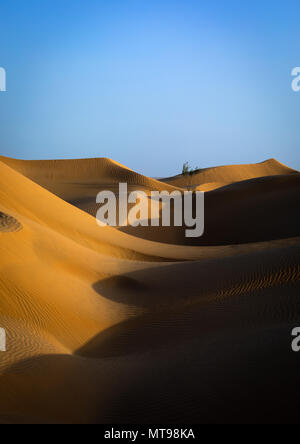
(144, 325)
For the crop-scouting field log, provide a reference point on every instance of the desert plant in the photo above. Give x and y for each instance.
(186, 169)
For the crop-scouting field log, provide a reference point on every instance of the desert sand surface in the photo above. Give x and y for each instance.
(142, 325)
(212, 178)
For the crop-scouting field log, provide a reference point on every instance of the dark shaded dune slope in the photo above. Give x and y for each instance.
(256, 210)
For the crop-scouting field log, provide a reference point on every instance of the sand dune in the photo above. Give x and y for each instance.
(271, 203)
(75, 180)
(224, 175)
(143, 326)
(79, 181)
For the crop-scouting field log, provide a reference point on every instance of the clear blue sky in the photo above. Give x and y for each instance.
(151, 83)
